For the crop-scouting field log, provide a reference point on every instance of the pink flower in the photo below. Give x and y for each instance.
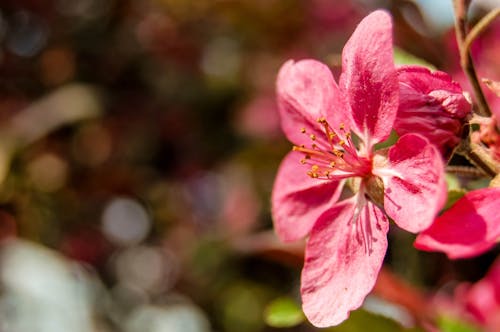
(432, 105)
(477, 303)
(470, 227)
(482, 299)
(335, 129)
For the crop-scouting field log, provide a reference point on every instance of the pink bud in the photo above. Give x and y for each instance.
(432, 105)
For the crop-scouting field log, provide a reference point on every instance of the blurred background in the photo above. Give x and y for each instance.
(139, 141)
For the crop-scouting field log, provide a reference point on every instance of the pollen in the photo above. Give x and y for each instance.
(303, 130)
(313, 137)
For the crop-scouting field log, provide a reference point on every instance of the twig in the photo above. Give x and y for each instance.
(461, 7)
(480, 27)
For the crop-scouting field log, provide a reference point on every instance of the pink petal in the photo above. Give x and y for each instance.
(306, 92)
(369, 79)
(339, 271)
(415, 189)
(468, 228)
(298, 200)
(432, 105)
(483, 298)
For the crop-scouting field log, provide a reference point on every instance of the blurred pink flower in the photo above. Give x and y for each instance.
(477, 303)
(470, 227)
(432, 105)
(348, 240)
(482, 299)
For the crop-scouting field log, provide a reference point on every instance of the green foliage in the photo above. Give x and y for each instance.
(402, 57)
(283, 312)
(362, 320)
(452, 324)
(453, 196)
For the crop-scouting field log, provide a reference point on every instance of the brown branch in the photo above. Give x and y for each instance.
(461, 7)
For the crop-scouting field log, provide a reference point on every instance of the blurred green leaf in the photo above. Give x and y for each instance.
(453, 196)
(283, 312)
(402, 57)
(452, 181)
(362, 321)
(452, 324)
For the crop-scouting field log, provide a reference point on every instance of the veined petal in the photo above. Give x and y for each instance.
(306, 92)
(470, 227)
(339, 270)
(298, 200)
(414, 185)
(369, 79)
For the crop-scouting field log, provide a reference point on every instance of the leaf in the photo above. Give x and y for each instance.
(452, 324)
(362, 320)
(283, 312)
(453, 196)
(402, 57)
(452, 181)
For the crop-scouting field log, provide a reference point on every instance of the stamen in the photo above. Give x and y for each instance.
(333, 158)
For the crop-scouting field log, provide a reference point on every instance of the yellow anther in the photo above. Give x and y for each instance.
(322, 120)
(332, 164)
(313, 137)
(332, 135)
(348, 135)
(303, 130)
(342, 126)
(303, 161)
(314, 146)
(338, 153)
(314, 168)
(341, 142)
(314, 175)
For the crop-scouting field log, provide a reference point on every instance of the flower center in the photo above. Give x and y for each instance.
(334, 155)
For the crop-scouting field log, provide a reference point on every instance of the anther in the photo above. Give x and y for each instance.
(313, 137)
(342, 126)
(303, 130)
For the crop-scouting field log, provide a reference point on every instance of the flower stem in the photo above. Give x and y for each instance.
(479, 157)
(461, 7)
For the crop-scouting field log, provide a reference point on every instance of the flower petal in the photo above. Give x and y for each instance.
(414, 185)
(369, 79)
(298, 200)
(482, 299)
(306, 92)
(339, 271)
(470, 227)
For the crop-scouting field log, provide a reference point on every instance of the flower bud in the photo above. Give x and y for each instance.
(432, 105)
